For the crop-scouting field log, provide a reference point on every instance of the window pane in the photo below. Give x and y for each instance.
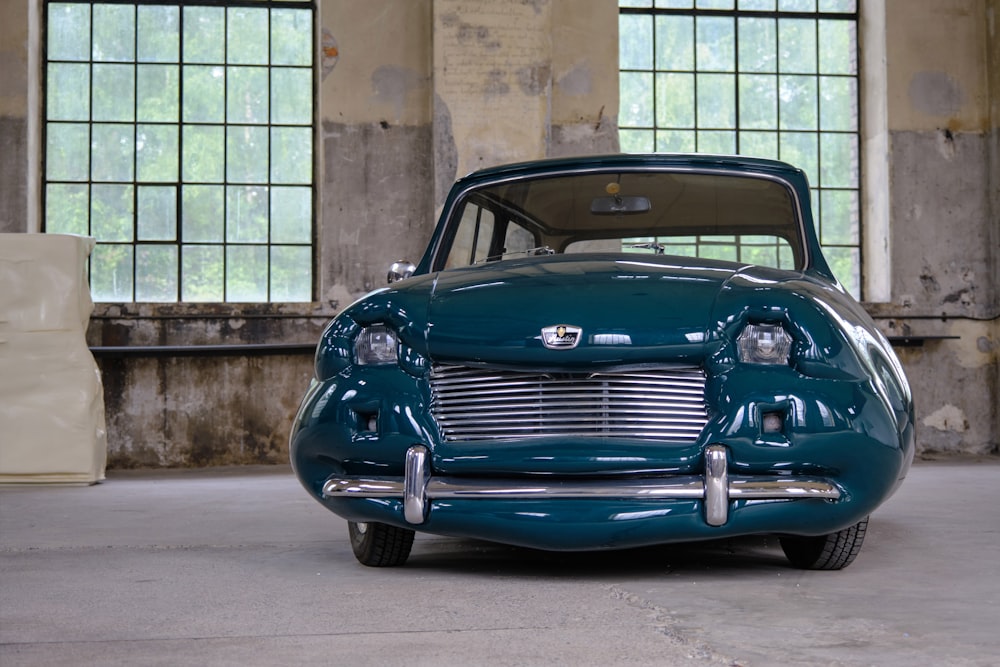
(246, 273)
(291, 215)
(204, 94)
(114, 33)
(678, 141)
(758, 5)
(840, 157)
(838, 47)
(716, 51)
(759, 144)
(291, 37)
(156, 219)
(112, 152)
(246, 214)
(758, 45)
(637, 99)
(839, 217)
(156, 152)
(637, 141)
(158, 34)
(246, 36)
(203, 211)
(291, 96)
(635, 46)
(68, 92)
(204, 36)
(68, 31)
(157, 93)
(204, 154)
(111, 272)
(66, 209)
(291, 155)
(796, 45)
(114, 92)
(723, 143)
(247, 95)
(758, 101)
(801, 149)
(799, 108)
(111, 212)
(246, 154)
(838, 103)
(203, 270)
(716, 100)
(155, 273)
(67, 152)
(291, 273)
(675, 100)
(675, 43)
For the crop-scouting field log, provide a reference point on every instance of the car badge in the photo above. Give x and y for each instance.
(561, 337)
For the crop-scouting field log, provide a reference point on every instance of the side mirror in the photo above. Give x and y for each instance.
(400, 270)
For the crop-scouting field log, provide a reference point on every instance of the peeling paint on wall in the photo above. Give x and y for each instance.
(948, 418)
(330, 52)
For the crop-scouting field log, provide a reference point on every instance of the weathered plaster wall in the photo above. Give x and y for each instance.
(945, 221)
(13, 117)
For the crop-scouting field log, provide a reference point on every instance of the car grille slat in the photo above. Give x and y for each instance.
(487, 404)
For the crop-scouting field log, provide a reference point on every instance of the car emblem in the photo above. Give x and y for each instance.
(561, 337)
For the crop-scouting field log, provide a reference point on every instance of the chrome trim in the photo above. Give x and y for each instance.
(717, 487)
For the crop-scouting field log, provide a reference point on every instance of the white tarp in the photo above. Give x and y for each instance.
(52, 427)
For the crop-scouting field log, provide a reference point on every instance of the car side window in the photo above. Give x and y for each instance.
(472, 238)
(518, 239)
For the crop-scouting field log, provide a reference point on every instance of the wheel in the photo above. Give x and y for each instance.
(380, 545)
(826, 552)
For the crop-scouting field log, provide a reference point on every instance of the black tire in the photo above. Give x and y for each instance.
(826, 552)
(380, 545)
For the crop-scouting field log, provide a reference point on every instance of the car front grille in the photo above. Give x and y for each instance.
(485, 404)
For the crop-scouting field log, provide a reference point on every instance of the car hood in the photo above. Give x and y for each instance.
(638, 310)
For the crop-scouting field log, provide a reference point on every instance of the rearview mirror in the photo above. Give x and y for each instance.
(619, 205)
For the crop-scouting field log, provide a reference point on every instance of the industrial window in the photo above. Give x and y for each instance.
(764, 78)
(180, 136)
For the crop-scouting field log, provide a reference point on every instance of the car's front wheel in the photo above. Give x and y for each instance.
(826, 552)
(380, 545)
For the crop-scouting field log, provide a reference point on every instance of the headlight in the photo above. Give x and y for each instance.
(376, 345)
(764, 344)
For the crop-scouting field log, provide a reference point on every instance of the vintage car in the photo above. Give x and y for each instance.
(610, 352)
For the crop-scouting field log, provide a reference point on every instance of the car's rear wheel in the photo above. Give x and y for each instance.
(380, 545)
(826, 552)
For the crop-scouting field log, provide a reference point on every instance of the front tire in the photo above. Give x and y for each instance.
(380, 545)
(826, 552)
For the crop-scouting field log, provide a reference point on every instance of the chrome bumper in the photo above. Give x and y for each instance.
(716, 487)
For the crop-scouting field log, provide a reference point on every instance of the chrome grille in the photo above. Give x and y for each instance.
(484, 404)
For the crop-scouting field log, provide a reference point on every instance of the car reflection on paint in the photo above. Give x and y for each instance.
(610, 352)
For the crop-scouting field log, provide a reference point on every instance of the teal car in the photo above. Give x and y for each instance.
(610, 352)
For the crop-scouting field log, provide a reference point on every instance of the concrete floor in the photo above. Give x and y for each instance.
(240, 567)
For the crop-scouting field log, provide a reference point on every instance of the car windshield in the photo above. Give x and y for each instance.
(730, 217)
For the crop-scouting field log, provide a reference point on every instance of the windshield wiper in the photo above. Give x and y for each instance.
(655, 247)
(530, 252)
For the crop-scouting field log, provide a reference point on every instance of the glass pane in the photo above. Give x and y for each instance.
(246, 214)
(159, 34)
(801, 150)
(204, 154)
(246, 36)
(798, 108)
(112, 152)
(66, 209)
(675, 4)
(716, 100)
(114, 92)
(838, 103)
(675, 43)
(114, 33)
(111, 212)
(758, 101)
(291, 96)
(204, 94)
(797, 45)
(203, 273)
(246, 95)
(157, 93)
(759, 144)
(716, 50)
(838, 6)
(677, 141)
(204, 35)
(111, 273)
(838, 47)
(291, 37)
(839, 217)
(156, 273)
(157, 152)
(156, 219)
(635, 44)
(291, 273)
(291, 215)
(846, 266)
(759, 5)
(291, 155)
(67, 152)
(840, 160)
(714, 4)
(246, 154)
(636, 141)
(67, 92)
(758, 45)
(675, 100)
(68, 32)
(721, 143)
(246, 273)
(203, 213)
(636, 99)
(797, 5)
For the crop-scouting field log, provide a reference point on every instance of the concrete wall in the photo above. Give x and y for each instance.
(413, 93)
